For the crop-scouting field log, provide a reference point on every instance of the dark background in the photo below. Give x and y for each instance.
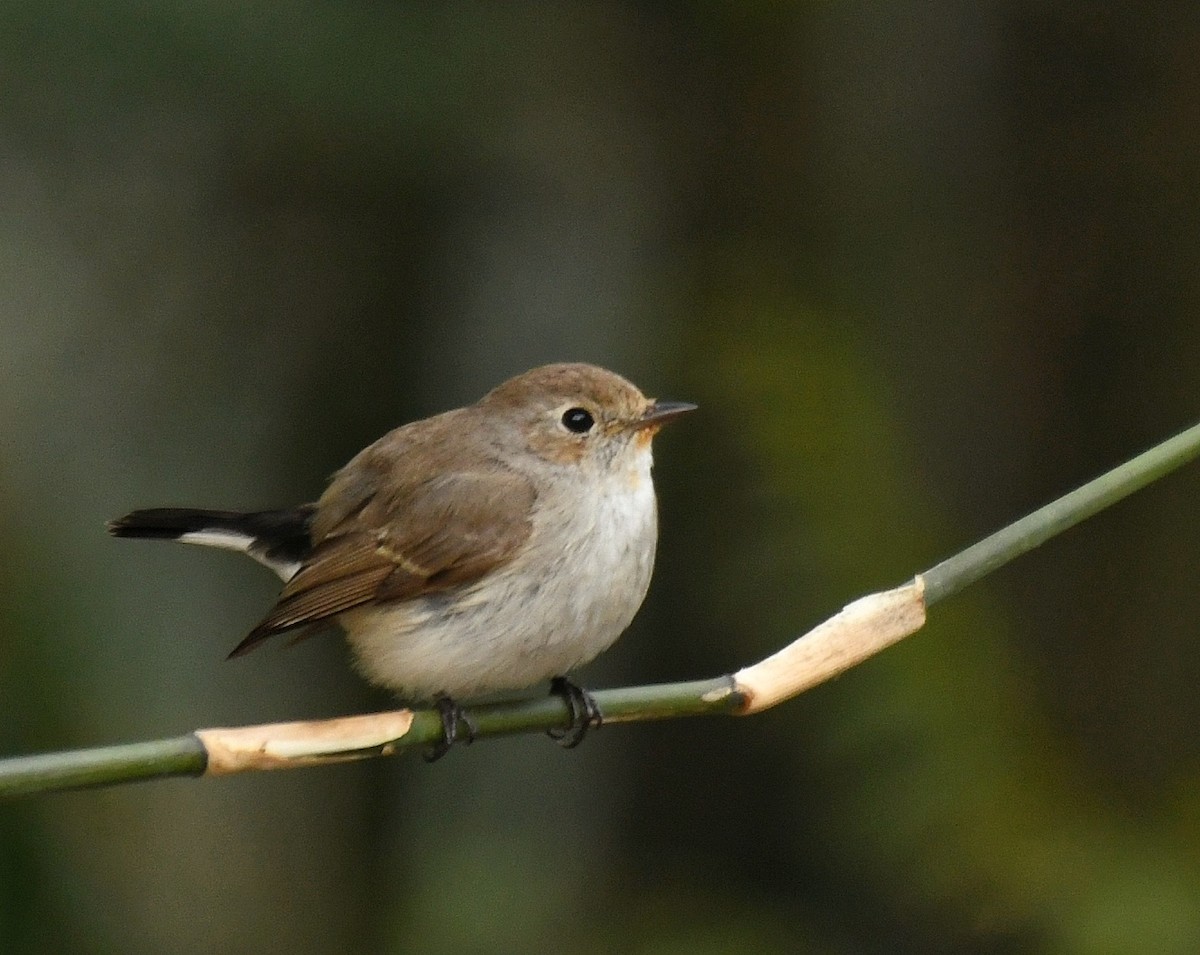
(924, 267)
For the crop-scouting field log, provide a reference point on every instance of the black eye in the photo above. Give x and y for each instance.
(578, 420)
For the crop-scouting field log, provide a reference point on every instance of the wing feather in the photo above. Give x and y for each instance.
(382, 535)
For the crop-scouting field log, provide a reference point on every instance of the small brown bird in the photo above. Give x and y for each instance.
(483, 549)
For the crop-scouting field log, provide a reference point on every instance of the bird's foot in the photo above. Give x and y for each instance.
(453, 717)
(585, 712)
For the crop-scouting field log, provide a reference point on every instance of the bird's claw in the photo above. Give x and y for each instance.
(585, 712)
(453, 717)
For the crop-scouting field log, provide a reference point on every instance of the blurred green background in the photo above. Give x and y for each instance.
(924, 267)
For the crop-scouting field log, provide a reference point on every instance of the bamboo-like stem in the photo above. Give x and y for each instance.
(967, 566)
(859, 631)
(102, 766)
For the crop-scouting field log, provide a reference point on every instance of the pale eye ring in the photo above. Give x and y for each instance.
(578, 420)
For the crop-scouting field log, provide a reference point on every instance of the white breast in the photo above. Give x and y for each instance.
(565, 598)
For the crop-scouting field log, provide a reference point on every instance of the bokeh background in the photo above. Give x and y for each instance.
(924, 267)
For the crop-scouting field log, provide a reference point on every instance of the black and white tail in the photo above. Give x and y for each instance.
(277, 539)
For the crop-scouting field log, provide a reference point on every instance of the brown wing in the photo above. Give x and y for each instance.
(379, 535)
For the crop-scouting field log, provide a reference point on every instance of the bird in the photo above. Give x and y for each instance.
(481, 550)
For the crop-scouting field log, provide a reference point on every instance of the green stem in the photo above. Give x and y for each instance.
(630, 704)
(102, 766)
(965, 567)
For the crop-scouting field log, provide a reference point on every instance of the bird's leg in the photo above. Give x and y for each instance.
(452, 716)
(585, 712)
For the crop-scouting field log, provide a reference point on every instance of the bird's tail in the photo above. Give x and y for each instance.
(278, 539)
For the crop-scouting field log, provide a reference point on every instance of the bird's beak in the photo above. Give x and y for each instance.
(660, 412)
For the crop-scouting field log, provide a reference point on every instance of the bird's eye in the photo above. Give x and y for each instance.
(579, 420)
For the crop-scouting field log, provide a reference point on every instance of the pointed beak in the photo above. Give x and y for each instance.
(660, 412)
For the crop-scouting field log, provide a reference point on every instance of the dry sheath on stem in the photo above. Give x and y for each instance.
(861, 630)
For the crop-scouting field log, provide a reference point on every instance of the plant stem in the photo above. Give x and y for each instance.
(102, 766)
(965, 567)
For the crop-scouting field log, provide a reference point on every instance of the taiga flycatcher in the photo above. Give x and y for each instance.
(483, 549)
